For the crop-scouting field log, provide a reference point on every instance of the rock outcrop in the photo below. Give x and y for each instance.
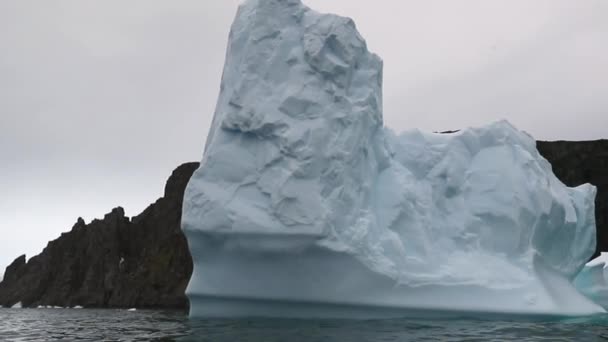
(579, 162)
(114, 262)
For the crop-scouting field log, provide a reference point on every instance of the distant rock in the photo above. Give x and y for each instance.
(448, 132)
(579, 162)
(114, 262)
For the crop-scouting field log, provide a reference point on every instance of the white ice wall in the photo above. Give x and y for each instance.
(304, 200)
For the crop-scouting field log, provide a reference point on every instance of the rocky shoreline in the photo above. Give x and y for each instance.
(144, 262)
(115, 262)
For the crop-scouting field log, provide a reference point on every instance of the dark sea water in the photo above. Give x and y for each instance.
(144, 325)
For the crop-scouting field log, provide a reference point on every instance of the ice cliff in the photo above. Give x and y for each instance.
(592, 281)
(306, 205)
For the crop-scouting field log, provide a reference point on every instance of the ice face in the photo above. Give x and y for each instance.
(305, 205)
(592, 281)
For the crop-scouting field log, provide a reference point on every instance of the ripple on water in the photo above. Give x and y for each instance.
(148, 325)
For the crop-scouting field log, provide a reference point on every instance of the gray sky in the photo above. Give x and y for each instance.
(101, 99)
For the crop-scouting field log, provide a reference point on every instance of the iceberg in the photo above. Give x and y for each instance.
(306, 205)
(592, 281)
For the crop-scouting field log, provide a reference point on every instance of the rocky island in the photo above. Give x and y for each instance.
(117, 261)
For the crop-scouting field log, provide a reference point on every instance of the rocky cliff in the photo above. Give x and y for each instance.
(579, 162)
(144, 261)
(114, 262)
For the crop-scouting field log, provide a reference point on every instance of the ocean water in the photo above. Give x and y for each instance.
(149, 325)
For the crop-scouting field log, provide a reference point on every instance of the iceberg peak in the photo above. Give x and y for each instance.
(306, 205)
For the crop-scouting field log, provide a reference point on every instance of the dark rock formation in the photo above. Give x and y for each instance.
(113, 262)
(579, 162)
(448, 132)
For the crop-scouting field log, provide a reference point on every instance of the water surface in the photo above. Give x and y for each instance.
(149, 325)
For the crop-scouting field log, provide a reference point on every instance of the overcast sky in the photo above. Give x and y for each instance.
(100, 100)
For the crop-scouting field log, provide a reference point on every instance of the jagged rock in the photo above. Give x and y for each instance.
(113, 262)
(15, 270)
(579, 162)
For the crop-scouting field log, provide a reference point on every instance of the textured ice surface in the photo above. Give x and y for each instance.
(592, 281)
(306, 205)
